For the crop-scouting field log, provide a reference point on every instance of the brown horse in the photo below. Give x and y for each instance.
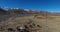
(35, 16)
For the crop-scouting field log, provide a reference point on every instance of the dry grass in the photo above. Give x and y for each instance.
(51, 25)
(41, 17)
(44, 17)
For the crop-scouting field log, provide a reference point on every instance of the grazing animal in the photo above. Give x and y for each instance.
(26, 26)
(30, 26)
(11, 29)
(33, 24)
(39, 26)
(18, 28)
(21, 29)
(35, 16)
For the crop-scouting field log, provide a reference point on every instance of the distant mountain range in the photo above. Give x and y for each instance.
(2, 11)
(22, 11)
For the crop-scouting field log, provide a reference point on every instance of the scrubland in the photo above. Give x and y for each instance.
(49, 24)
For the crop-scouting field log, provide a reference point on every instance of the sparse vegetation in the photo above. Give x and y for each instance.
(32, 22)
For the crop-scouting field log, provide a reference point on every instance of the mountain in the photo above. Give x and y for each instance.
(2, 11)
(22, 11)
(16, 11)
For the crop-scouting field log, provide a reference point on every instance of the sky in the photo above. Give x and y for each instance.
(46, 5)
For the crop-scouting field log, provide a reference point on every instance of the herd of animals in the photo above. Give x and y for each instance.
(29, 27)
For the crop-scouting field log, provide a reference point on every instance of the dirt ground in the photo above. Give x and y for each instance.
(48, 25)
(41, 22)
(54, 24)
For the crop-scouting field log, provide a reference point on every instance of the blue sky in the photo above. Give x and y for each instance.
(47, 5)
